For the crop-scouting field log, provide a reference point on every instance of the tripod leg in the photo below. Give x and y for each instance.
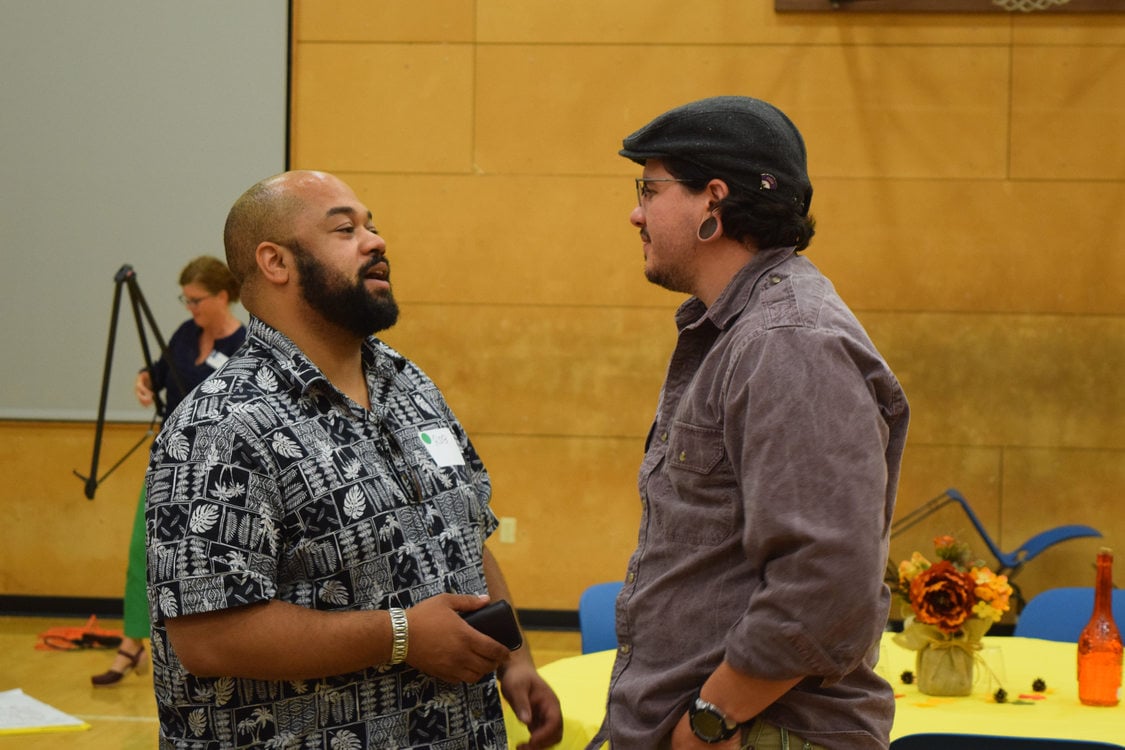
(137, 299)
(92, 479)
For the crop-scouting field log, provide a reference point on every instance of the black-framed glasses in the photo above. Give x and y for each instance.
(193, 301)
(643, 190)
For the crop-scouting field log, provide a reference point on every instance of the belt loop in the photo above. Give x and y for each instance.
(784, 738)
(748, 742)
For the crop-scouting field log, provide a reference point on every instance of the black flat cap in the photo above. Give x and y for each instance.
(744, 140)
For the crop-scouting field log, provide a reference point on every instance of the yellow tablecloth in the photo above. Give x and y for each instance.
(581, 683)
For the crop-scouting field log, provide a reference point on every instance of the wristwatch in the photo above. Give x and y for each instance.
(708, 722)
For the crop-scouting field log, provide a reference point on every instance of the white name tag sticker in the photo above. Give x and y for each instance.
(216, 359)
(442, 446)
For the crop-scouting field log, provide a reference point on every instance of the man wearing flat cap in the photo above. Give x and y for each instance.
(753, 605)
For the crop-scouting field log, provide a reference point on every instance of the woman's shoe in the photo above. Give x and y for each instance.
(137, 663)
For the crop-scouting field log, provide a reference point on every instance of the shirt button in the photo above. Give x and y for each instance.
(624, 648)
(664, 437)
(683, 456)
(631, 577)
(775, 279)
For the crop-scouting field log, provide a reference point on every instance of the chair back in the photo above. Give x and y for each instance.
(1012, 562)
(1060, 614)
(597, 617)
(985, 742)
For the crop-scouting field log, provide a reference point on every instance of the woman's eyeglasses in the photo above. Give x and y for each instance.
(193, 301)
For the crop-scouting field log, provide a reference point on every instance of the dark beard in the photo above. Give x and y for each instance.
(667, 281)
(351, 307)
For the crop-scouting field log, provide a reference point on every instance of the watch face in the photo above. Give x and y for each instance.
(708, 724)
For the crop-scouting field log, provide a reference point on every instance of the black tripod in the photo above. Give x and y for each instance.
(125, 277)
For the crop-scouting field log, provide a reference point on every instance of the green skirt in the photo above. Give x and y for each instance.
(136, 595)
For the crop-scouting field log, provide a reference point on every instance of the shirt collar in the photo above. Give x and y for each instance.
(734, 298)
(378, 358)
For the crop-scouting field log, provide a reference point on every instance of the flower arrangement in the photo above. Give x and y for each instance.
(953, 603)
(948, 593)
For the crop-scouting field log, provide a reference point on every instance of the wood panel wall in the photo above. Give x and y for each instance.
(969, 175)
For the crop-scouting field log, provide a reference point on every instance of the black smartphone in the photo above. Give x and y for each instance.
(498, 622)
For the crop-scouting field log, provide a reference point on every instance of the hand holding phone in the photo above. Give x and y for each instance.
(498, 622)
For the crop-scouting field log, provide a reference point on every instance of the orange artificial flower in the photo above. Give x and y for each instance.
(943, 596)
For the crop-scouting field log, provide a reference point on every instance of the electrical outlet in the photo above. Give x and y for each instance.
(507, 530)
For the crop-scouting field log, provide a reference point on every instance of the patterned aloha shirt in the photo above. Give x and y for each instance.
(267, 482)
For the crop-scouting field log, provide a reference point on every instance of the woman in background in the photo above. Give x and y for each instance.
(196, 349)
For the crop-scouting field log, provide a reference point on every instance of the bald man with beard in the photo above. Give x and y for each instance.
(317, 517)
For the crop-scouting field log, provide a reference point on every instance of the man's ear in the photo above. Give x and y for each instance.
(717, 190)
(274, 261)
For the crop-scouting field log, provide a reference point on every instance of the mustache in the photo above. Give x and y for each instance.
(371, 264)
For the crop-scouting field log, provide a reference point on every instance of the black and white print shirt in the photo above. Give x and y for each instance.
(267, 482)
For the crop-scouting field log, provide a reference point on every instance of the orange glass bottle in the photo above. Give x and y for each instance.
(1099, 646)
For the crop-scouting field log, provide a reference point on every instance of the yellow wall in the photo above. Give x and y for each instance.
(969, 176)
(53, 541)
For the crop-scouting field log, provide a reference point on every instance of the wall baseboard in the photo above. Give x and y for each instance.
(60, 606)
(548, 619)
(79, 606)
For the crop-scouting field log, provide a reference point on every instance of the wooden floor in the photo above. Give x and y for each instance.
(122, 717)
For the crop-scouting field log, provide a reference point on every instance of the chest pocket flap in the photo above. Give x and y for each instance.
(695, 449)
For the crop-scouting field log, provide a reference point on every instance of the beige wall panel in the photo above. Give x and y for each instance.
(720, 22)
(928, 469)
(383, 107)
(888, 245)
(1073, 29)
(55, 542)
(395, 21)
(576, 508)
(973, 246)
(512, 240)
(1068, 113)
(1044, 488)
(1014, 380)
(542, 370)
(865, 111)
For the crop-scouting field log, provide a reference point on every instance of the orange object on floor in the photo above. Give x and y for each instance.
(70, 637)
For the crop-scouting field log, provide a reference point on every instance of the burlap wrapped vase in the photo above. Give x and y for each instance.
(944, 669)
(944, 664)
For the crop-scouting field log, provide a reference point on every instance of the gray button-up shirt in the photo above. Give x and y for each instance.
(768, 486)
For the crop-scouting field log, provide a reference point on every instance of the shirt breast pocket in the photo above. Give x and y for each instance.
(702, 508)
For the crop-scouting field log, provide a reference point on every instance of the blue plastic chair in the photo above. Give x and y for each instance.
(987, 742)
(597, 617)
(1009, 563)
(1060, 614)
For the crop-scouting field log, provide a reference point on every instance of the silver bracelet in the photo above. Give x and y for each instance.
(400, 636)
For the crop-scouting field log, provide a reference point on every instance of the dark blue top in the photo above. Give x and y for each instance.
(183, 350)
